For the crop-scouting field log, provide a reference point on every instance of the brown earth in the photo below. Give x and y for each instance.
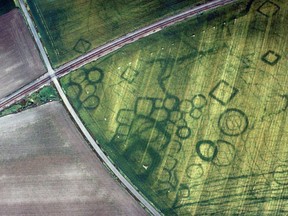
(47, 168)
(20, 62)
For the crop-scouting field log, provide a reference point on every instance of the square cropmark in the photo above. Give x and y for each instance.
(268, 9)
(223, 92)
(271, 57)
(82, 46)
(129, 74)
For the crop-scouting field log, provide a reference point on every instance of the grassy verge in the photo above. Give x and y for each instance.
(44, 95)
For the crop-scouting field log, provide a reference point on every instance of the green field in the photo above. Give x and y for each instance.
(196, 115)
(6, 6)
(71, 28)
(44, 95)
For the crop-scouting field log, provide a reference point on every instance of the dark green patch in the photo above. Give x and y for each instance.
(6, 6)
(44, 95)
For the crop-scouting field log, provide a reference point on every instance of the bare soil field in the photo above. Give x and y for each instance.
(20, 62)
(47, 168)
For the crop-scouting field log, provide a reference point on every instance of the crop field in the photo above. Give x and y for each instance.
(47, 168)
(20, 62)
(6, 6)
(70, 28)
(196, 115)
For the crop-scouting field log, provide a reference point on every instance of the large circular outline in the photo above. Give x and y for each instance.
(91, 107)
(277, 180)
(234, 156)
(198, 165)
(92, 69)
(209, 142)
(233, 110)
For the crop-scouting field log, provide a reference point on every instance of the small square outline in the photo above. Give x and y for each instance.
(136, 73)
(234, 92)
(264, 59)
(76, 48)
(277, 6)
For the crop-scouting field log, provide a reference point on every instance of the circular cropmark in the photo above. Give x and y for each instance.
(74, 91)
(183, 132)
(95, 75)
(206, 150)
(233, 122)
(91, 102)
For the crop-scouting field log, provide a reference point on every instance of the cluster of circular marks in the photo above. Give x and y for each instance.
(220, 153)
(179, 108)
(199, 101)
(233, 122)
(194, 107)
(83, 85)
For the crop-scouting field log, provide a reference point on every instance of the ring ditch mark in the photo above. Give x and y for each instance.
(175, 147)
(196, 113)
(183, 192)
(165, 176)
(185, 106)
(171, 163)
(74, 91)
(194, 171)
(175, 116)
(171, 102)
(271, 58)
(209, 157)
(280, 174)
(233, 122)
(144, 158)
(153, 132)
(90, 89)
(199, 101)
(78, 76)
(160, 114)
(91, 103)
(226, 153)
(183, 132)
(95, 75)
